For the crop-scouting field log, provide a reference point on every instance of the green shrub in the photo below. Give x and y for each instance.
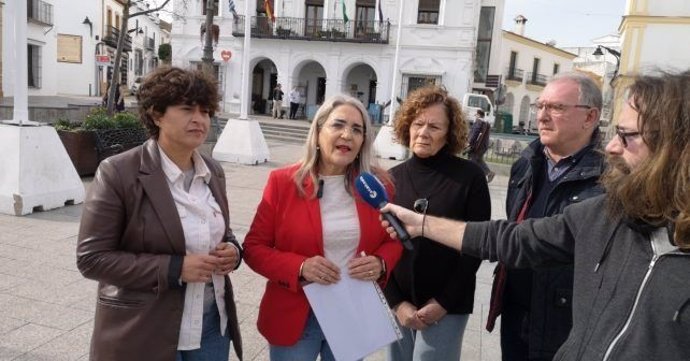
(64, 124)
(98, 118)
(127, 120)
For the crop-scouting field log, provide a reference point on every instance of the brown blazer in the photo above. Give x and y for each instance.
(129, 233)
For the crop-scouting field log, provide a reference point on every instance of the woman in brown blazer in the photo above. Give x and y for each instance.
(155, 235)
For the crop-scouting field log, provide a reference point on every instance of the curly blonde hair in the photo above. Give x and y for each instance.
(417, 102)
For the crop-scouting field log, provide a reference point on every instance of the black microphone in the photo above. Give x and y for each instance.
(374, 193)
(319, 192)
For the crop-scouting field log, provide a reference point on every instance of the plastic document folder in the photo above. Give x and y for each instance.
(354, 316)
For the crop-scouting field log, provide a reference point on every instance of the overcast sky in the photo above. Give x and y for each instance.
(568, 22)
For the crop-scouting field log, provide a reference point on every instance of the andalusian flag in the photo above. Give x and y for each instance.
(345, 18)
(269, 11)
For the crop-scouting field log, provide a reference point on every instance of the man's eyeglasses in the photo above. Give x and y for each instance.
(555, 108)
(623, 135)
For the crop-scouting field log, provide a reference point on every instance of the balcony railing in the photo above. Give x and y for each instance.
(537, 79)
(39, 11)
(112, 34)
(514, 74)
(315, 29)
(150, 44)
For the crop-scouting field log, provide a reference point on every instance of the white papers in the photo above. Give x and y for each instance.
(354, 317)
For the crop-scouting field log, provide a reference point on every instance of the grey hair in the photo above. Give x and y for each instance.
(590, 94)
(309, 164)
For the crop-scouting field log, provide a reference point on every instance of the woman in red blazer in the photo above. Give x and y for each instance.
(311, 226)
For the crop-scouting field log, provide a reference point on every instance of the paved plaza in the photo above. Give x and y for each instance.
(47, 307)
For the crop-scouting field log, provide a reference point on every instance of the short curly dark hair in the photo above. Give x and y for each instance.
(423, 98)
(167, 86)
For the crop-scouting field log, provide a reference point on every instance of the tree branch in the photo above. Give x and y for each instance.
(158, 8)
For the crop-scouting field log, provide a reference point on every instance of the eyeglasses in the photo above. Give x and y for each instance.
(338, 126)
(623, 135)
(555, 108)
(420, 205)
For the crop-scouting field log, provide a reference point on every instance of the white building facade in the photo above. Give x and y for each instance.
(61, 45)
(146, 36)
(65, 40)
(527, 65)
(311, 46)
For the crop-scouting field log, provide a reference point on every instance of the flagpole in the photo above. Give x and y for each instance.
(394, 79)
(385, 145)
(245, 61)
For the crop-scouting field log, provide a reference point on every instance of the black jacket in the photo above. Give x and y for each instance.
(550, 295)
(631, 297)
(457, 189)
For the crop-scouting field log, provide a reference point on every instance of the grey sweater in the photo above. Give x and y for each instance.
(631, 298)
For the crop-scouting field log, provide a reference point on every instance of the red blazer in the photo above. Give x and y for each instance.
(286, 231)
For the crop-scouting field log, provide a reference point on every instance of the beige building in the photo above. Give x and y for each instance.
(527, 66)
(653, 36)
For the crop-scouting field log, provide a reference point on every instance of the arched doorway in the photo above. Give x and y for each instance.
(360, 82)
(508, 104)
(311, 81)
(264, 79)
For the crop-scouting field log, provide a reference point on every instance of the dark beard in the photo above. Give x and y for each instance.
(614, 177)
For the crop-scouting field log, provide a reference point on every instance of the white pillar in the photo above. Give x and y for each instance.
(36, 172)
(242, 140)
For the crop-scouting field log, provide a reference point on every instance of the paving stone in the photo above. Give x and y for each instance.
(23, 339)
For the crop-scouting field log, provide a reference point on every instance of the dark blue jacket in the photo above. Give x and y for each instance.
(551, 295)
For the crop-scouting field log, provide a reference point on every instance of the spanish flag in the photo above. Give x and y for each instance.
(269, 11)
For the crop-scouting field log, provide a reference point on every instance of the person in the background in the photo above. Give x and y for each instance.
(312, 226)
(630, 246)
(278, 101)
(432, 287)
(294, 97)
(479, 144)
(559, 168)
(120, 95)
(155, 235)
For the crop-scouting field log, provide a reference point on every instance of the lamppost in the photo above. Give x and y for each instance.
(598, 53)
(615, 53)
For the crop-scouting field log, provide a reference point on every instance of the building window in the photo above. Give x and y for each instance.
(535, 71)
(69, 48)
(215, 6)
(427, 12)
(39, 11)
(412, 82)
(313, 16)
(556, 68)
(484, 36)
(365, 16)
(138, 62)
(34, 59)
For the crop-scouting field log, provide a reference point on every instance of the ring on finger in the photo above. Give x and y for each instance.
(371, 273)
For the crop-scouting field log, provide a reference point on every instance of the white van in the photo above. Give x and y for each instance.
(471, 102)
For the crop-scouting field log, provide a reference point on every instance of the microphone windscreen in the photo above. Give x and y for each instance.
(371, 190)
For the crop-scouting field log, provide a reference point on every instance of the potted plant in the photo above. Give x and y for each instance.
(98, 137)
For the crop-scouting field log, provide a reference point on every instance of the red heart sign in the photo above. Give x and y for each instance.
(226, 55)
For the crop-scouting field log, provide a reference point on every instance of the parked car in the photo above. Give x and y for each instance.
(136, 85)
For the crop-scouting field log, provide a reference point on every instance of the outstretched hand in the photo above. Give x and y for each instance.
(411, 221)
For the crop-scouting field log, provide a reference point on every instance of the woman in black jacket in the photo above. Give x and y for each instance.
(432, 304)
